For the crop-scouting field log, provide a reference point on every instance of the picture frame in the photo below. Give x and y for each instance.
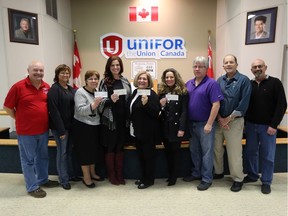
(261, 26)
(23, 27)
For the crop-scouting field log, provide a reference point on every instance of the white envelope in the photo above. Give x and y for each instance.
(144, 91)
(101, 94)
(171, 97)
(120, 91)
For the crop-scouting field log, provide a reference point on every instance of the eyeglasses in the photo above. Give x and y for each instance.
(257, 66)
(199, 67)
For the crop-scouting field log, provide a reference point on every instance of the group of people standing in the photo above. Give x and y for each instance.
(230, 101)
(97, 125)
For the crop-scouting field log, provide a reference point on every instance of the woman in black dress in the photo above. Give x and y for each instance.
(114, 117)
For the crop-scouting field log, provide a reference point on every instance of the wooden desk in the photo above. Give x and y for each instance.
(3, 112)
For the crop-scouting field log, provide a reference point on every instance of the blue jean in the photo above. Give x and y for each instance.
(64, 157)
(202, 151)
(260, 148)
(34, 159)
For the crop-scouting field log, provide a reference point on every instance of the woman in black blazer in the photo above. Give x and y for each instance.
(173, 99)
(144, 115)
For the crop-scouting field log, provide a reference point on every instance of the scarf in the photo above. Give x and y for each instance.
(106, 111)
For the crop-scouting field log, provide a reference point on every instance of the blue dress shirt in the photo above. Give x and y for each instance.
(236, 91)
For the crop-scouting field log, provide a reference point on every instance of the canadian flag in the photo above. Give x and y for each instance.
(76, 68)
(143, 14)
(210, 72)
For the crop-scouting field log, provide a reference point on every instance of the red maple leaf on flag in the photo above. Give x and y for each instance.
(143, 13)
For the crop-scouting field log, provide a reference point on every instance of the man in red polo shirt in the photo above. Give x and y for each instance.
(26, 102)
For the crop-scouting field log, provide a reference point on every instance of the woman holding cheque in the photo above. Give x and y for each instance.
(173, 99)
(144, 115)
(86, 127)
(114, 119)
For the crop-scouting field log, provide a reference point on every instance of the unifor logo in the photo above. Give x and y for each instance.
(111, 44)
(142, 47)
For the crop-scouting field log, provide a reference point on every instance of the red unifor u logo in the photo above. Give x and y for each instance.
(111, 44)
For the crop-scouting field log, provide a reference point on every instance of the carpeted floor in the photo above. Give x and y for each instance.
(182, 199)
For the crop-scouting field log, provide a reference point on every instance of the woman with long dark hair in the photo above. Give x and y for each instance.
(173, 99)
(114, 117)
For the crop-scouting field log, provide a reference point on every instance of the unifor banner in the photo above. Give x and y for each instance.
(142, 47)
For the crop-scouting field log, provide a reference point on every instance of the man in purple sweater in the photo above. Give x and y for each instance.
(203, 106)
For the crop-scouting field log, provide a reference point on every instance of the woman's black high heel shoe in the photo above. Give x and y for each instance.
(92, 185)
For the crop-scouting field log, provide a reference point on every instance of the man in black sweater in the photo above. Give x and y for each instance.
(266, 110)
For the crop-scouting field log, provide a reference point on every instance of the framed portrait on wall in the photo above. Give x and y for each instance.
(261, 26)
(23, 27)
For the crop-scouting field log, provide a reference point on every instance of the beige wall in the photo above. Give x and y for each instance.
(230, 35)
(189, 19)
(55, 45)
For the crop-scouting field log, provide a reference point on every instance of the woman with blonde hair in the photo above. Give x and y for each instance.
(144, 114)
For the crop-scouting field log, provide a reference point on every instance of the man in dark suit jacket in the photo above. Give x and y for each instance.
(259, 25)
(24, 32)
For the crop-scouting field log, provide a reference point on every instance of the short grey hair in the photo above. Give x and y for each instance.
(201, 59)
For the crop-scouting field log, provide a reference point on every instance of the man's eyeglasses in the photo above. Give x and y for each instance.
(257, 66)
(199, 67)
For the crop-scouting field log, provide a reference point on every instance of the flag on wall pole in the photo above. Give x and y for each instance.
(76, 66)
(210, 72)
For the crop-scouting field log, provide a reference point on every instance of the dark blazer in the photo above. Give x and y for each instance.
(174, 118)
(60, 107)
(145, 119)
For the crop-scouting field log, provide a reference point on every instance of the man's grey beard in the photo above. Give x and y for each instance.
(258, 74)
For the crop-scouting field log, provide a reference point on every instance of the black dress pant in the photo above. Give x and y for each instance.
(146, 152)
(172, 150)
